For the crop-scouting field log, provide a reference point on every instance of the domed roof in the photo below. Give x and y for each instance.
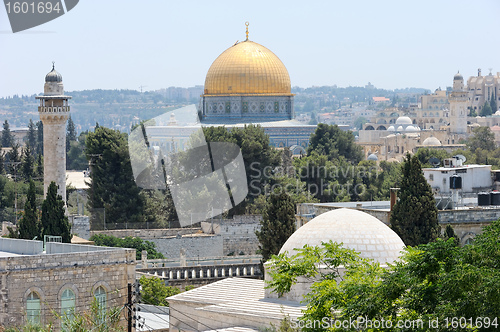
(411, 128)
(458, 76)
(400, 128)
(355, 229)
(404, 120)
(391, 128)
(431, 141)
(53, 76)
(247, 68)
(372, 157)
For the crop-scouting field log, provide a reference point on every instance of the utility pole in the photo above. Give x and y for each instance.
(130, 308)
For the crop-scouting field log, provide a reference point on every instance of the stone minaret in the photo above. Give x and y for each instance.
(458, 106)
(54, 112)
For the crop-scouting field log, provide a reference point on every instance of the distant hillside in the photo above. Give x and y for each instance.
(120, 108)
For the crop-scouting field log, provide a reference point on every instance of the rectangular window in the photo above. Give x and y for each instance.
(431, 177)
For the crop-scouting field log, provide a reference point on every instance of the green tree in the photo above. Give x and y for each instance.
(277, 224)
(155, 292)
(54, 220)
(493, 103)
(7, 138)
(2, 161)
(27, 163)
(70, 133)
(128, 242)
(258, 156)
(13, 159)
(39, 137)
(486, 110)
(112, 182)
(39, 166)
(31, 137)
(75, 156)
(449, 233)
(414, 216)
(29, 225)
(483, 138)
(333, 142)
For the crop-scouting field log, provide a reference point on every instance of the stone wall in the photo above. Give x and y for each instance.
(239, 235)
(50, 274)
(149, 233)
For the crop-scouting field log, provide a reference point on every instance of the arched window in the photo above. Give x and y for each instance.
(68, 303)
(101, 299)
(33, 308)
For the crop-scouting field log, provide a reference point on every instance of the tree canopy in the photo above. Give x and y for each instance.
(333, 142)
(128, 242)
(29, 225)
(54, 220)
(277, 224)
(483, 138)
(414, 216)
(112, 185)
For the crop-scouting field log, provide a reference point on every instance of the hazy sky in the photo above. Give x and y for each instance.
(120, 44)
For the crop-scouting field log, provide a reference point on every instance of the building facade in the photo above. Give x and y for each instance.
(63, 278)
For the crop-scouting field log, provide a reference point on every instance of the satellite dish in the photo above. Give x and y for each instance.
(435, 161)
(460, 157)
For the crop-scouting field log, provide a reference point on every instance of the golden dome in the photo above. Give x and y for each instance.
(247, 68)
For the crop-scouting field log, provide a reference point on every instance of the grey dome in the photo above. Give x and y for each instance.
(372, 157)
(355, 229)
(53, 76)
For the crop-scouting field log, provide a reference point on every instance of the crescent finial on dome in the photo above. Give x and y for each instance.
(247, 24)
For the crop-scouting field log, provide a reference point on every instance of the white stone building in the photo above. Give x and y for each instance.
(238, 304)
(475, 178)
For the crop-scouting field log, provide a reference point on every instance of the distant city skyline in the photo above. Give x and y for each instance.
(158, 44)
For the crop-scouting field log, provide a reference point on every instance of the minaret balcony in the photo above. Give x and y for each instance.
(53, 109)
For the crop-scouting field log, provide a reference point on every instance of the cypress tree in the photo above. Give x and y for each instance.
(27, 163)
(31, 137)
(493, 103)
(486, 110)
(7, 138)
(414, 216)
(29, 225)
(39, 167)
(70, 133)
(54, 221)
(277, 224)
(39, 137)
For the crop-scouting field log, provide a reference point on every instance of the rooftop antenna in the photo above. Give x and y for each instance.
(435, 161)
(247, 24)
(142, 86)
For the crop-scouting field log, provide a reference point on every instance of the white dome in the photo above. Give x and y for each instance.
(372, 157)
(411, 128)
(400, 128)
(404, 120)
(391, 128)
(431, 141)
(355, 229)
